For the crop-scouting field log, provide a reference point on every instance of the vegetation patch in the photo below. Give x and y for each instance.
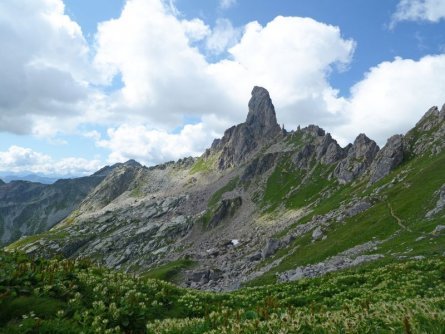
(216, 197)
(169, 272)
(73, 296)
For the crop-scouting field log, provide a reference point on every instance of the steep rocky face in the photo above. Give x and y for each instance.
(329, 152)
(388, 158)
(240, 141)
(359, 157)
(428, 134)
(1, 182)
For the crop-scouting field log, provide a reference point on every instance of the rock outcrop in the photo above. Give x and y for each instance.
(428, 134)
(241, 140)
(440, 204)
(359, 157)
(388, 158)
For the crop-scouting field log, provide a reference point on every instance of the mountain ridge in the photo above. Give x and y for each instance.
(263, 203)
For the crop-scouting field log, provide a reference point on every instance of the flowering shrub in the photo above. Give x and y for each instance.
(74, 296)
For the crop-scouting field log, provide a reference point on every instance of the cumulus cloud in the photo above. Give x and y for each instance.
(393, 96)
(223, 36)
(19, 159)
(48, 75)
(419, 10)
(293, 58)
(165, 77)
(44, 64)
(151, 146)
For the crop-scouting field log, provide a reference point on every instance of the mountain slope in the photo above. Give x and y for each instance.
(263, 204)
(27, 208)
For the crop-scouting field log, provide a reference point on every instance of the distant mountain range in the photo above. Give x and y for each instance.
(8, 177)
(261, 205)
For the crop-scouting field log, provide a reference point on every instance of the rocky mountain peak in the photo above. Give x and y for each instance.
(1, 182)
(261, 114)
(240, 141)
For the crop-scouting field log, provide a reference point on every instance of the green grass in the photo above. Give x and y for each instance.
(203, 165)
(216, 197)
(282, 180)
(169, 272)
(49, 235)
(410, 199)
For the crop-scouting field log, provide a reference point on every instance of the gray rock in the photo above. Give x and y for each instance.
(440, 204)
(357, 208)
(438, 230)
(329, 152)
(272, 245)
(226, 209)
(317, 234)
(359, 157)
(240, 141)
(259, 166)
(255, 257)
(387, 159)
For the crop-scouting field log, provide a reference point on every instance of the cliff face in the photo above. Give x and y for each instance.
(241, 140)
(262, 204)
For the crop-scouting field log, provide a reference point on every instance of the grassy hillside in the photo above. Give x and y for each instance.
(65, 296)
(397, 216)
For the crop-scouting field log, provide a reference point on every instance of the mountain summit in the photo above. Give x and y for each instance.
(240, 141)
(261, 117)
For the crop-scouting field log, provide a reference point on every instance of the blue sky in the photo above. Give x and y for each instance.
(88, 83)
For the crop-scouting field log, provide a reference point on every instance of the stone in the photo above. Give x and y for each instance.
(259, 166)
(272, 245)
(440, 204)
(328, 151)
(357, 208)
(387, 159)
(243, 139)
(255, 257)
(226, 209)
(317, 234)
(438, 230)
(359, 157)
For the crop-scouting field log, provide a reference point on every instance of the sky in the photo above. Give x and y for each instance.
(88, 83)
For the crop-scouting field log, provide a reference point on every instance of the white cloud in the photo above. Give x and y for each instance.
(419, 10)
(393, 96)
(226, 4)
(47, 79)
(293, 58)
(223, 36)
(24, 160)
(154, 146)
(44, 64)
(195, 29)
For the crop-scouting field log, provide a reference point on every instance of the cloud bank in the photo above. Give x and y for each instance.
(172, 98)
